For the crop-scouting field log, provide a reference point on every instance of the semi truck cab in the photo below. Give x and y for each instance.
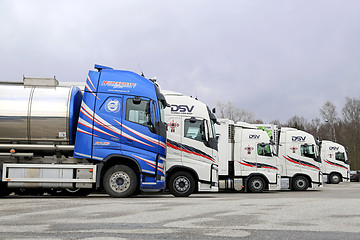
(246, 158)
(192, 146)
(335, 162)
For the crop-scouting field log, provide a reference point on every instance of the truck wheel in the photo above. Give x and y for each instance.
(181, 184)
(256, 184)
(334, 178)
(120, 181)
(300, 183)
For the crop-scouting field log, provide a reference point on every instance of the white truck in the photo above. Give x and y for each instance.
(299, 157)
(335, 162)
(246, 159)
(191, 163)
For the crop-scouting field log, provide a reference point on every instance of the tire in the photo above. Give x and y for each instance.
(334, 178)
(181, 184)
(300, 183)
(256, 184)
(120, 181)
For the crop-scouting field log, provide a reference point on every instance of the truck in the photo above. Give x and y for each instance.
(191, 162)
(246, 158)
(111, 137)
(299, 157)
(335, 162)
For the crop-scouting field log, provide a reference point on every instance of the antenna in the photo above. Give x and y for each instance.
(196, 94)
(142, 74)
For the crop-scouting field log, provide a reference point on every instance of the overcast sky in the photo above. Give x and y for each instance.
(276, 59)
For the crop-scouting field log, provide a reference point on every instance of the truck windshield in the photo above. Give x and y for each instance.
(162, 106)
(162, 102)
(213, 128)
(212, 122)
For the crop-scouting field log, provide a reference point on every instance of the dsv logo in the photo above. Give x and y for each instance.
(181, 108)
(298, 139)
(334, 148)
(254, 136)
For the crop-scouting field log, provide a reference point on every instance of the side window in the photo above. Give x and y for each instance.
(340, 156)
(264, 150)
(136, 111)
(193, 129)
(308, 151)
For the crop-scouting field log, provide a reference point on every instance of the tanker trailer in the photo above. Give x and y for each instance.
(112, 136)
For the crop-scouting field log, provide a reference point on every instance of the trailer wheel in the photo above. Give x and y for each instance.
(120, 181)
(256, 184)
(334, 178)
(300, 183)
(181, 184)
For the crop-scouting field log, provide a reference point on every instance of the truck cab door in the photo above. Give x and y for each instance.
(138, 131)
(107, 129)
(174, 140)
(196, 151)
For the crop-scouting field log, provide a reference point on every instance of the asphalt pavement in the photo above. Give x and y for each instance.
(332, 212)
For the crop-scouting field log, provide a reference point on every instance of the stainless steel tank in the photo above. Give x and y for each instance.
(38, 114)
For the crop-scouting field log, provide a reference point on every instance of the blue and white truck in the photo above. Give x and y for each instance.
(112, 136)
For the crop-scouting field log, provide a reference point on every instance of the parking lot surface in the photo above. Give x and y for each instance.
(332, 212)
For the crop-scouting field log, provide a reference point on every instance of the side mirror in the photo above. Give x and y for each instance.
(214, 110)
(149, 117)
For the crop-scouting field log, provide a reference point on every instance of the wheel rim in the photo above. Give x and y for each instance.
(119, 181)
(335, 178)
(181, 184)
(300, 183)
(257, 184)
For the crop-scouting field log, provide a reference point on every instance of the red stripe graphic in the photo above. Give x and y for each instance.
(132, 131)
(88, 78)
(299, 163)
(335, 164)
(245, 164)
(187, 151)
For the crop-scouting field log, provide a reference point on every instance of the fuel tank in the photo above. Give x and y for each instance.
(38, 114)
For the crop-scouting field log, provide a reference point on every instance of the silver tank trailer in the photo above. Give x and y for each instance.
(38, 114)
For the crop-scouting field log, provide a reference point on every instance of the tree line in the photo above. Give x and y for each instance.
(343, 127)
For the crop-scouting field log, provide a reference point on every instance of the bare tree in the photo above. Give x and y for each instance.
(329, 114)
(351, 110)
(232, 112)
(350, 130)
(297, 122)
